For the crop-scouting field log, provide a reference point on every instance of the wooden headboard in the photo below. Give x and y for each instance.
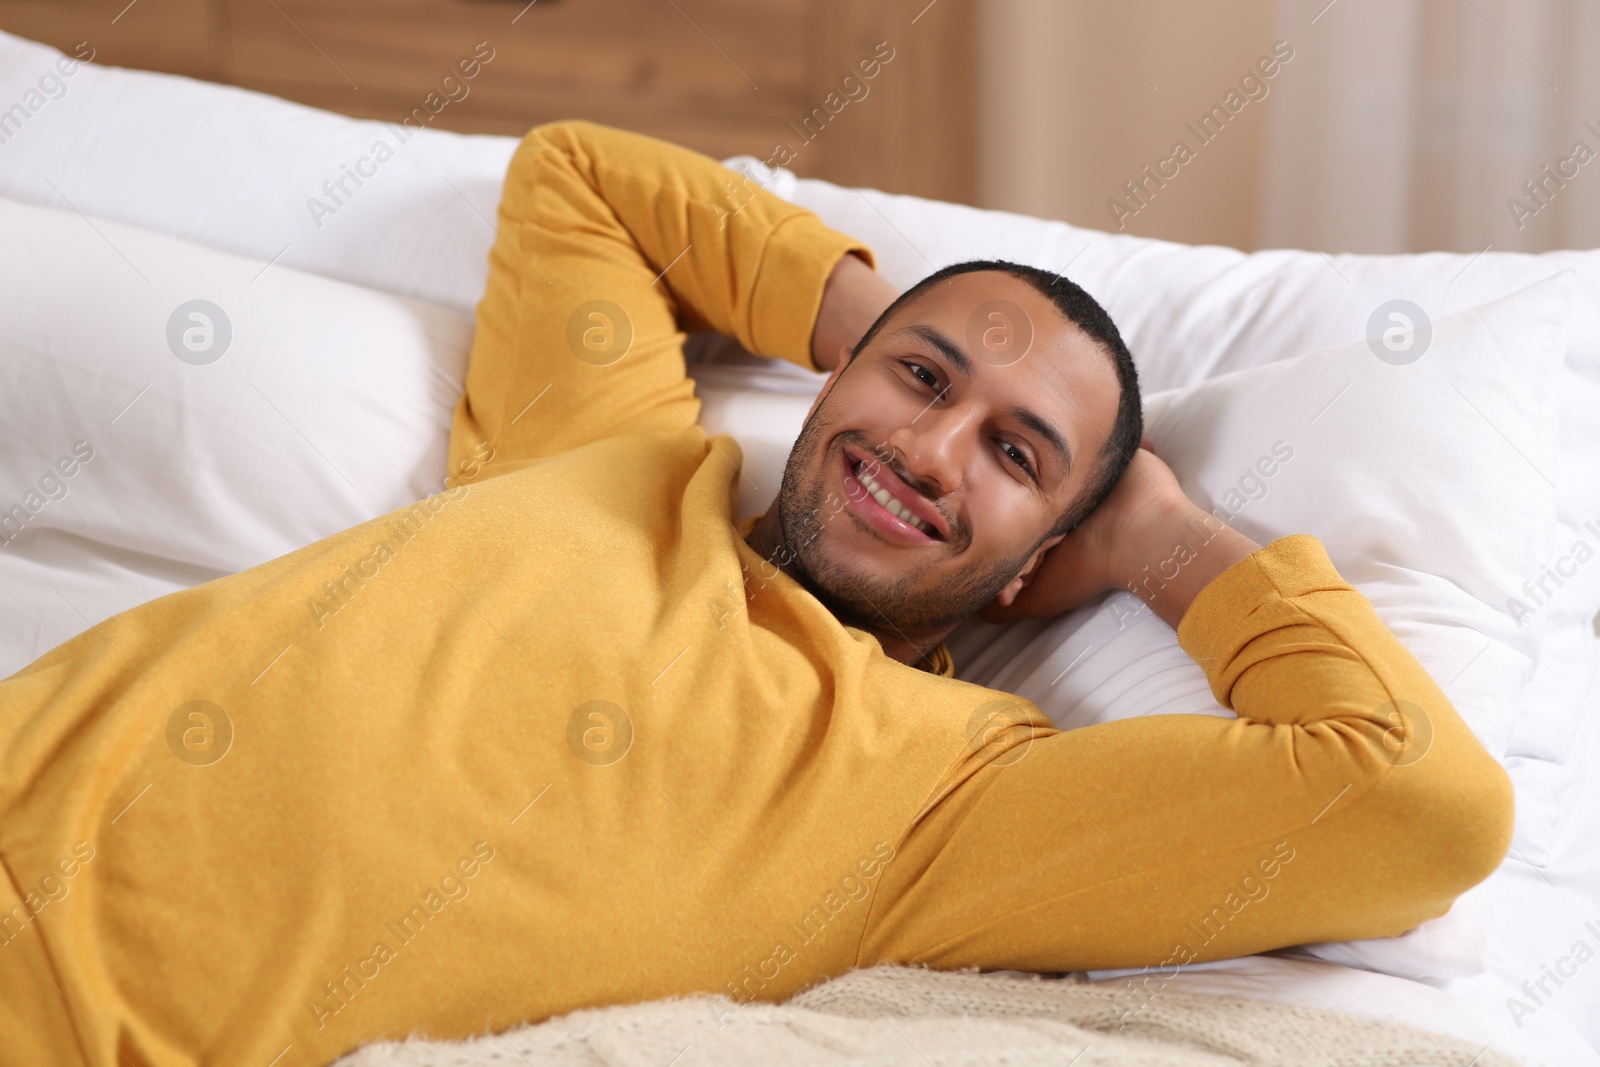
(870, 92)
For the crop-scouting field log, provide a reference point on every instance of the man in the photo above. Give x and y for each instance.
(573, 739)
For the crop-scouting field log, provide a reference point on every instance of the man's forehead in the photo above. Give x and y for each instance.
(1054, 384)
(958, 299)
(1002, 321)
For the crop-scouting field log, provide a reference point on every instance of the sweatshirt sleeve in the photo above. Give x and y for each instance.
(609, 246)
(1347, 800)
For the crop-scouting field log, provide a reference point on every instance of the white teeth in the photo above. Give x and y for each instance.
(890, 502)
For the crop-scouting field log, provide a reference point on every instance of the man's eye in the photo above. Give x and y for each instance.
(1016, 456)
(919, 370)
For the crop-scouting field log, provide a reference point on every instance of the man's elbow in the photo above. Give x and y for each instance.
(1460, 822)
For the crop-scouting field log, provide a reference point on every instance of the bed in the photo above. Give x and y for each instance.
(315, 276)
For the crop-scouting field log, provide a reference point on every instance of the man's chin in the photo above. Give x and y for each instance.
(876, 586)
(858, 573)
(830, 565)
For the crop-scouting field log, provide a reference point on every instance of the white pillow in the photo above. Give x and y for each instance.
(1451, 946)
(132, 465)
(236, 170)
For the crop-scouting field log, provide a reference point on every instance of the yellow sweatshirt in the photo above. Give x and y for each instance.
(556, 737)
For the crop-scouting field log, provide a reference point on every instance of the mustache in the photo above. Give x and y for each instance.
(875, 453)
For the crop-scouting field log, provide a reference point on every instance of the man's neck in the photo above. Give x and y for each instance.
(766, 539)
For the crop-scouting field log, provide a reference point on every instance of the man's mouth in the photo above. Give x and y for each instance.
(887, 502)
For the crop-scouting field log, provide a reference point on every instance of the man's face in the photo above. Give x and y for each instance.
(944, 414)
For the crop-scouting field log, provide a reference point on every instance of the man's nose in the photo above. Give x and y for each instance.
(935, 447)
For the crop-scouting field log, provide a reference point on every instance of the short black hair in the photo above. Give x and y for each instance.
(1085, 312)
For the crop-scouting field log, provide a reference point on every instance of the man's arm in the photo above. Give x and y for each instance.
(1347, 800)
(610, 245)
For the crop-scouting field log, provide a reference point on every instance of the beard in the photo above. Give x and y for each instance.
(855, 595)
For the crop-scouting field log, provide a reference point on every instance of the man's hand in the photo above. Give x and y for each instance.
(852, 300)
(1147, 537)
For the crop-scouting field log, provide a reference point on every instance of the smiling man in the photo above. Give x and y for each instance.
(584, 739)
(956, 470)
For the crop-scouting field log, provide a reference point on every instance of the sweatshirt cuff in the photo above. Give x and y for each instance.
(1228, 613)
(800, 253)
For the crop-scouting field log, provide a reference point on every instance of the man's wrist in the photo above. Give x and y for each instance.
(1174, 554)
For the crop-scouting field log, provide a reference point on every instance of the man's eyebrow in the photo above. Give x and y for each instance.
(1051, 436)
(958, 359)
(947, 348)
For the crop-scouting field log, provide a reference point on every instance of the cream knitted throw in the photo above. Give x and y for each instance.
(894, 1016)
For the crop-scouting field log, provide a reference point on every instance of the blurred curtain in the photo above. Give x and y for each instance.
(1435, 124)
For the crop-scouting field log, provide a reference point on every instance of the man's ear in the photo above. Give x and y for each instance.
(1025, 575)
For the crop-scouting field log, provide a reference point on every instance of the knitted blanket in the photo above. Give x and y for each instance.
(893, 1016)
